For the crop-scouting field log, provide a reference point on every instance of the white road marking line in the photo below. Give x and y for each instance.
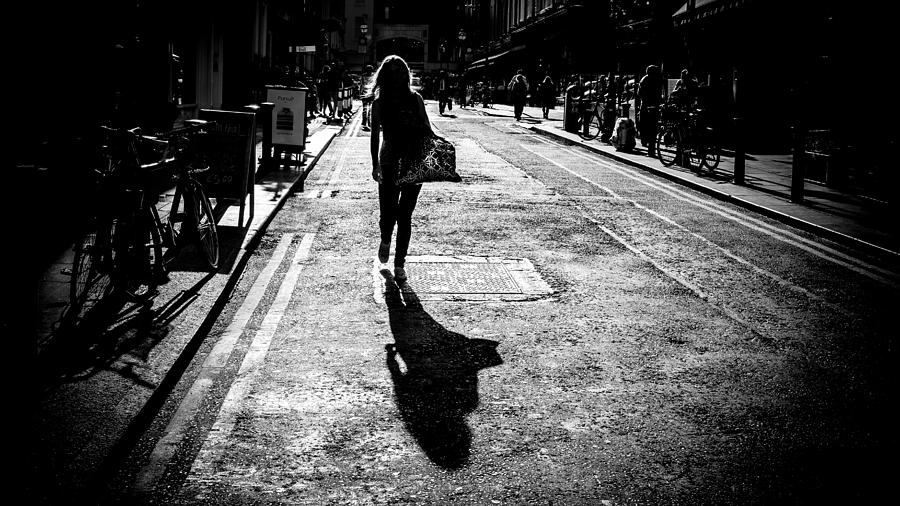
(353, 131)
(822, 251)
(176, 429)
(695, 289)
(570, 171)
(336, 173)
(698, 291)
(259, 348)
(759, 270)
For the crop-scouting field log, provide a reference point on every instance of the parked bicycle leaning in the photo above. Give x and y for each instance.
(121, 250)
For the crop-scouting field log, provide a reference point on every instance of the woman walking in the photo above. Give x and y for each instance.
(518, 89)
(548, 96)
(398, 113)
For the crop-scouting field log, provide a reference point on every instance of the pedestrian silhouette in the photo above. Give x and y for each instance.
(398, 115)
(439, 386)
(518, 90)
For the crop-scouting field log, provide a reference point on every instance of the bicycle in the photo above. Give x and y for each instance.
(191, 218)
(703, 137)
(589, 122)
(683, 136)
(121, 251)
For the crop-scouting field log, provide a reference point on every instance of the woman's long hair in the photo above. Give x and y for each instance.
(392, 79)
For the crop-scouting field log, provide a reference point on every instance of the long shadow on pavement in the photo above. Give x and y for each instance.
(439, 385)
(118, 335)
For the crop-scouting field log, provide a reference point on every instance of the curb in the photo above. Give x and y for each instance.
(808, 226)
(144, 417)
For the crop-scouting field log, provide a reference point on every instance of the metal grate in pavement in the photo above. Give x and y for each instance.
(466, 278)
(461, 277)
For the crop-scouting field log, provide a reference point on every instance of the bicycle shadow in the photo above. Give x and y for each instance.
(189, 258)
(117, 335)
(438, 384)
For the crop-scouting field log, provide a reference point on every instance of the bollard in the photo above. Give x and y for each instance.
(585, 117)
(739, 169)
(797, 167)
(739, 155)
(265, 117)
(255, 109)
(570, 112)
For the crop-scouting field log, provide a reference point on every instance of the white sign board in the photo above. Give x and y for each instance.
(288, 115)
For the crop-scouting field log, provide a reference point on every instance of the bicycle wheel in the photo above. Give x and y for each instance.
(595, 126)
(207, 236)
(175, 220)
(712, 156)
(139, 257)
(668, 145)
(694, 153)
(92, 269)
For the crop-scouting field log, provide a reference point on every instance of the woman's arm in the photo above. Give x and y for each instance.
(424, 115)
(375, 119)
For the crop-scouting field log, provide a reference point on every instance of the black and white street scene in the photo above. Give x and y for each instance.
(474, 252)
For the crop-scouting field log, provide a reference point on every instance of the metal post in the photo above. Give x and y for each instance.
(798, 169)
(739, 155)
(265, 117)
(739, 152)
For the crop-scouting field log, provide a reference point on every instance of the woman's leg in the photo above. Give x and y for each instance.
(388, 196)
(409, 195)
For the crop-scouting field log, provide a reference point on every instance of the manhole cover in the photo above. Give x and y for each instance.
(461, 277)
(468, 278)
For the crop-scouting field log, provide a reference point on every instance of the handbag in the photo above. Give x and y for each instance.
(434, 162)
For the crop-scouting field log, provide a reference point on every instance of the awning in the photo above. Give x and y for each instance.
(490, 59)
(703, 9)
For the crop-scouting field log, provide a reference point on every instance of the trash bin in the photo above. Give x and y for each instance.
(571, 109)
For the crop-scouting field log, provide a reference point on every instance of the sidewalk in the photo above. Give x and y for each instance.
(830, 213)
(270, 192)
(126, 366)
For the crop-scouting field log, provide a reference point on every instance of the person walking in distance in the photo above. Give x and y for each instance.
(366, 98)
(547, 92)
(398, 114)
(518, 88)
(650, 93)
(443, 91)
(326, 106)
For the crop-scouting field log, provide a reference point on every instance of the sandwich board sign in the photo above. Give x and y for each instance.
(288, 115)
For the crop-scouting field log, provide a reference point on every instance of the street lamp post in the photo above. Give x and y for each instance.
(364, 43)
(462, 40)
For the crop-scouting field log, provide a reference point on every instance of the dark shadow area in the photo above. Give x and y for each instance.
(118, 335)
(507, 114)
(438, 386)
(189, 258)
